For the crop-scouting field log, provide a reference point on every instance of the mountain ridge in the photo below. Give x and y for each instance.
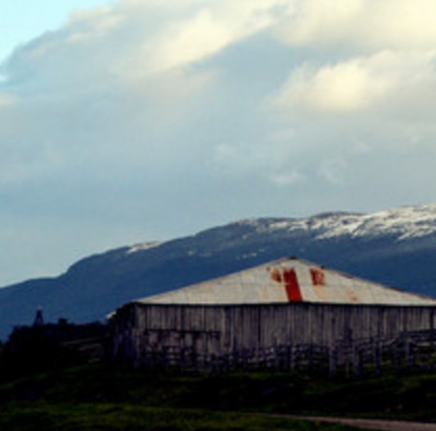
(394, 247)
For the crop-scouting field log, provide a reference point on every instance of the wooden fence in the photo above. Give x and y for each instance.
(330, 339)
(411, 352)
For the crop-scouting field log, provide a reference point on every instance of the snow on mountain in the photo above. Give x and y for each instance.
(402, 223)
(395, 247)
(143, 246)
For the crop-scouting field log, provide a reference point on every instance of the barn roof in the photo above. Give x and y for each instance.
(288, 280)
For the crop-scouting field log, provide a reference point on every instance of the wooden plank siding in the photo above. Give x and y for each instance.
(148, 334)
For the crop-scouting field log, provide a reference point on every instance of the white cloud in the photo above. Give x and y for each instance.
(210, 30)
(333, 170)
(130, 43)
(358, 84)
(87, 25)
(149, 117)
(340, 88)
(362, 24)
(6, 100)
(269, 155)
(287, 179)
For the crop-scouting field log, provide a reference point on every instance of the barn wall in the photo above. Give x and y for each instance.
(139, 329)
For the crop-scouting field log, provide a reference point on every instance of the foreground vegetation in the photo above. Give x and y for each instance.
(46, 384)
(121, 417)
(103, 397)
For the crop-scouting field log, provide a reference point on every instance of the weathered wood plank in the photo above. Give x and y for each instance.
(225, 336)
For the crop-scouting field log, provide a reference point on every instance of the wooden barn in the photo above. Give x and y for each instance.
(282, 315)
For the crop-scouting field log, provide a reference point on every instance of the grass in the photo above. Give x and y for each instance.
(101, 397)
(120, 417)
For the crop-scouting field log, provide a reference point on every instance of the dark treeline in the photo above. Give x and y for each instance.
(46, 346)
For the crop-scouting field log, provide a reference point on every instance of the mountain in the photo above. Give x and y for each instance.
(395, 247)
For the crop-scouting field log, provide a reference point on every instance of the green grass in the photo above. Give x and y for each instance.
(120, 417)
(101, 397)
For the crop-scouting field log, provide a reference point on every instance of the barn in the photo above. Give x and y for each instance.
(283, 314)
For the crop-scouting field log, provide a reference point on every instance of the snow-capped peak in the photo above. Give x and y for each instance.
(403, 223)
(143, 246)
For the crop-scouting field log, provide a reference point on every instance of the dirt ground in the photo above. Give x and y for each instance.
(375, 424)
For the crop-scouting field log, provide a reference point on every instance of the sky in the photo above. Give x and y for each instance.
(130, 121)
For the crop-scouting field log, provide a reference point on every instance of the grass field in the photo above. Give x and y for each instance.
(101, 397)
(122, 417)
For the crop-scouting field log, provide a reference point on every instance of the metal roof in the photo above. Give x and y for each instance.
(288, 280)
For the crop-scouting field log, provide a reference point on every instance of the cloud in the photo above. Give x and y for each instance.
(363, 83)
(6, 100)
(344, 87)
(333, 170)
(269, 152)
(361, 24)
(380, 56)
(132, 40)
(287, 179)
(213, 28)
(144, 120)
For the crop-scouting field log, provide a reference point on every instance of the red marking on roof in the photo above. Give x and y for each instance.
(354, 298)
(276, 275)
(318, 277)
(291, 285)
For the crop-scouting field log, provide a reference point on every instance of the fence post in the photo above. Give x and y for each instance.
(377, 358)
(332, 360)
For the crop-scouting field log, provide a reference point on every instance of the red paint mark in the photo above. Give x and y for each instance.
(291, 285)
(288, 278)
(354, 298)
(318, 277)
(276, 275)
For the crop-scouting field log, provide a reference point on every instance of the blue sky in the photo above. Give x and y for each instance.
(138, 120)
(22, 21)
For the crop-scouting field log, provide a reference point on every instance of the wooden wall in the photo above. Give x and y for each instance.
(141, 330)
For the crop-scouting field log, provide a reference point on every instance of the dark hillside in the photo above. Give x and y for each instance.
(400, 256)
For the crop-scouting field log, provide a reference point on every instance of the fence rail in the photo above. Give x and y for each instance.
(409, 351)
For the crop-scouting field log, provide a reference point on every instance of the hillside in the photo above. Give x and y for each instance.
(394, 247)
